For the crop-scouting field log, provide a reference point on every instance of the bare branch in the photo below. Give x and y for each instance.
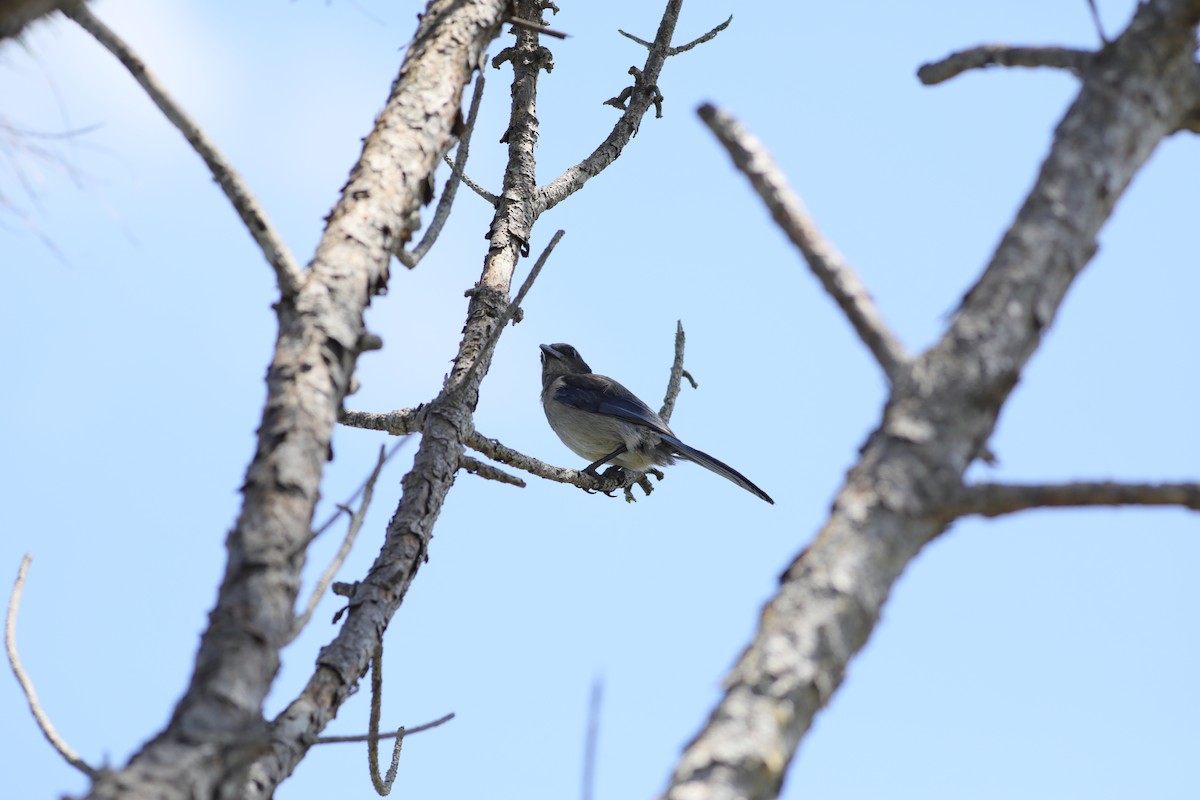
(676, 377)
(382, 784)
(446, 422)
(368, 483)
(490, 198)
(411, 259)
(384, 735)
(535, 28)
(1002, 55)
(642, 96)
(488, 472)
(639, 40)
(321, 332)
(940, 411)
(1096, 20)
(683, 48)
(831, 268)
(254, 217)
(398, 423)
(514, 458)
(996, 499)
(10, 647)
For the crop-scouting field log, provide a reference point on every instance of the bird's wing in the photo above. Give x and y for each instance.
(601, 395)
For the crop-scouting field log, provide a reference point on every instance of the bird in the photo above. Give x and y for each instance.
(602, 421)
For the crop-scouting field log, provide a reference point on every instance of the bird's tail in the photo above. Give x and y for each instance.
(719, 467)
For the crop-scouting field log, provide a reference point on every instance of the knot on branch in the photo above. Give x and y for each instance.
(639, 85)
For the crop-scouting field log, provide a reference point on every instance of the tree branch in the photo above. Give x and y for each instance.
(988, 55)
(446, 421)
(14, 660)
(941, 412)
(487, 196)
(287, 273)
(676, 377)
(831, 268)
(674, 51)
(217, 742)
(384, 734)
(996, 499)
(641, 98)
(488, 472)
(398, 423)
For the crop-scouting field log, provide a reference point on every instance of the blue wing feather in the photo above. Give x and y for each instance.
(601, 395)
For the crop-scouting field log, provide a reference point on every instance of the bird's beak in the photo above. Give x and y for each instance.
(550, 351)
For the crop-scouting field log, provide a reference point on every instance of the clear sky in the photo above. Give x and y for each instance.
(1048, 655)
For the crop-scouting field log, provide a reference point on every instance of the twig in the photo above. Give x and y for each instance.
(536, 28)
(1002, 55)
(287, 272)
(677, 374)
(487, 471)
(383, 785)
(644, 94)
(831, 268)
(512, 310)
(411, 258)
(994, 499)
(366, 737)
(369, 481)
(1096, 20)
(14, 660)
(683, 48)
(514, 458)
(491, 199)
(367, 490)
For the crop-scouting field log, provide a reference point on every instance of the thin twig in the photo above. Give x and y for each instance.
(683, 48)
(677, 374)
(491, 199)
(343, 507)
(411, 258)
(367, 490)
(641, 96)
(514, 458)
(366, 737)
(1002, 55)
(14, 660)
(536, 28)
(1096, 20)
(382, 784)
(488, 472)
(287, 272)
(512, 310)
(994, 499)
(831, 268)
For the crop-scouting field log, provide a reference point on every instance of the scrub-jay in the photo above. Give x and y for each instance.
(604, 422)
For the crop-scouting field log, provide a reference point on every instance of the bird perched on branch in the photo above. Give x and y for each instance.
(602, 421)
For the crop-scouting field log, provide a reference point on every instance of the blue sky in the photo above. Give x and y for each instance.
(1048, 655)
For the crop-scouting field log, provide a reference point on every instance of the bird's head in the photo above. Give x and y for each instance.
(561, 359)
